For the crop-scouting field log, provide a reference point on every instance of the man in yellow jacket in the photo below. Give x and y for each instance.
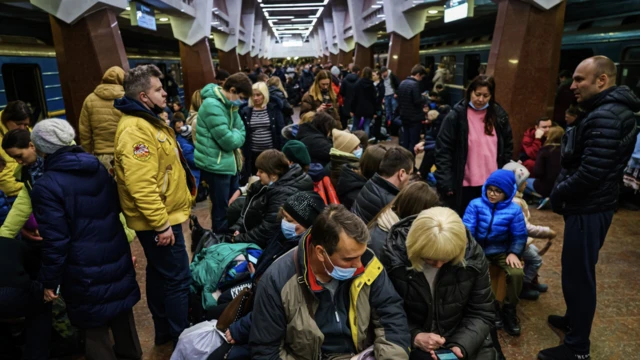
(16, 115)
(156, 192)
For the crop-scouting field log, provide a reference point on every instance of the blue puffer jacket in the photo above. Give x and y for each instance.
(85, 249)
(4, 207)
(188, 151)
(498, 228)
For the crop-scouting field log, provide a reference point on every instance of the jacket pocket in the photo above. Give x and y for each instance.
(165, 180)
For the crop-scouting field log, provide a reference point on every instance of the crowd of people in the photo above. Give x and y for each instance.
(326, 240)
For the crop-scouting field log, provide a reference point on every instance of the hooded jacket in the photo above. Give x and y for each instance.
(155, 186)
(258, 222)
(410, 101)
(375, 195)
(318, 144)
(595, 152)
(452, 149)
(348, 92)
(349, 185)
(220, 133)
(339, 159)
(499, 228)
(364, 103)
(99, 118)
(278, 98)
(462, 305)
(85, 250)
(285, 326)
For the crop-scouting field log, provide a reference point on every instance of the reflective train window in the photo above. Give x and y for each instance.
(449, 62)
(428, 62)
(471, 67)
(630, 69)
(24, 82)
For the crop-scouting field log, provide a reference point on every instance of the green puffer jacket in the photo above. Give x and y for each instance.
(220, 133)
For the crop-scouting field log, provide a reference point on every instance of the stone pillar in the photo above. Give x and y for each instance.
(403, 54)
(363, 56)
(84, 51)
(229, 60)
(334, 59)
(345, 57)
(197, 68)
(525, 50)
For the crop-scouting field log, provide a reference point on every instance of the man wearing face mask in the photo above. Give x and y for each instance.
(323, 298)
(392, 176)
(156, 191)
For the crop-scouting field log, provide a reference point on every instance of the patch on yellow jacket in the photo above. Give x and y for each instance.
(141, 152)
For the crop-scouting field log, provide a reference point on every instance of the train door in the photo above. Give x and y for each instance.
(24, 82)
(630, 69)
(471, 68)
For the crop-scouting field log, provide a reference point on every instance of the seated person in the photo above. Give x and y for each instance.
(353, 178)
(346, 150)
(303, 305)
(315, 135)
(498, 224)
(297, 153)
(432, 259)
(258, 221)
(411, 200)
(533, 140)
(394, 174)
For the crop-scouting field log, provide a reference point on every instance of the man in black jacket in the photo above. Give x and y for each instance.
(348, 91)
(411, 103)
(594, 155)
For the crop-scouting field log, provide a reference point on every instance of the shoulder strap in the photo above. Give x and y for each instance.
(308, 297)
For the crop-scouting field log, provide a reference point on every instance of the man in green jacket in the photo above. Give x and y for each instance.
(221, 134)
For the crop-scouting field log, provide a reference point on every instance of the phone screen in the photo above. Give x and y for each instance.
(445, 354)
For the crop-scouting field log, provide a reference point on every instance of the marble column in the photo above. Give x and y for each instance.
(243, 61)
(229, 60)
(333, 58)
(345, 57)
(363, 56)
(403, 54)
(84, 51)
(197, 67)
(526, 50)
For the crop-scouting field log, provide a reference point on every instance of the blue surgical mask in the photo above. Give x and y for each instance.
(236, 102)
(338, 273)
(475, 108)
(358, 153)
(288, 229)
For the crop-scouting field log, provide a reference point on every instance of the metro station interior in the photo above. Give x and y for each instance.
(53, 53)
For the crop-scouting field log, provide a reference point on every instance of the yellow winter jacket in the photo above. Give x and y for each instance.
(98, 118)
(152, 184)
(8, 183)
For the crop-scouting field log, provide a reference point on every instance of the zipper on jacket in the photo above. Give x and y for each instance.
(486, 237)
(249, 206)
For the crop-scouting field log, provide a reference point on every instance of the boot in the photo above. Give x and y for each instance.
(561, 352)
(559, 322)
(537, 286)
(498, 321)
(529, 292)
(511, 321)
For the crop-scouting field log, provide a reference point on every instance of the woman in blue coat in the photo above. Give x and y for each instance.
(85, 254)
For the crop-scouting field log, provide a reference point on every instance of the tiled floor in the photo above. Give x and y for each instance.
(616, 330)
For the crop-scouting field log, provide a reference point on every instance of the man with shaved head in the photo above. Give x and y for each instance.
(594, 154)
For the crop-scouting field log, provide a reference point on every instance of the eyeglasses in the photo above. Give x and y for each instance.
(495, 191)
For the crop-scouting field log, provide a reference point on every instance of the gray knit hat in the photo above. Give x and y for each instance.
(51, 135)
(304, 207)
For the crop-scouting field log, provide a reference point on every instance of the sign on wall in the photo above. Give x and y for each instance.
(143, 16)
(458, 9)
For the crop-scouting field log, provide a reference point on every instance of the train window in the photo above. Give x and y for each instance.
(177, 69)
(471, 67)
(630, 69)
(449, 62)
(24, 82)
(428, 62)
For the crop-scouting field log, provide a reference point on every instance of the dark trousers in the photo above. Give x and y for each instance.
(29, 303)
(125, 337)
(469, 193)
(428, 161)
(221, 187)
(168, 280)
(410, 135)
(515, 277)
(583, 237)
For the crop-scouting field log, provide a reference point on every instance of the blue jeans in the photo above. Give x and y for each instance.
(410, 136)
(390, 105)
(532, 262)
(168, 281)
(366, 124)
(221, 187)
(18, 302)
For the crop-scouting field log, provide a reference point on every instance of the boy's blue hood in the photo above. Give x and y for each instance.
(130, 106)
(505, 180)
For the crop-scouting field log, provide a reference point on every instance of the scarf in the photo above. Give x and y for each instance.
(387, 219)
(36, 170)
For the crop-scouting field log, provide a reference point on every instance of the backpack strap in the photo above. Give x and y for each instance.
(308, 297)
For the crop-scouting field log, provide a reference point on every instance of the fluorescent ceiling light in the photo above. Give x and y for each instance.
(294, 6)
(127, 8)
(280, 17)
(290, 8)
(432, 11)
(376, 6)
(381, 15)
(164, 19)
(304, 19)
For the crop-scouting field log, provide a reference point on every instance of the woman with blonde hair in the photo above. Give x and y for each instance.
(441, 273)
(321, 97)
(192, 120)
(263, 122)
(410, 201)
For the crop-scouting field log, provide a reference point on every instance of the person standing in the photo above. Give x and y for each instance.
(16, 115)
(321, 97)
(410, 103)
(564, 98)
(594, 155)
(156, 191)
(363, 105)
(391, 84)
(347, 90)
(99, 119)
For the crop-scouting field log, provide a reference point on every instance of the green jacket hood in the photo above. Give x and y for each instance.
(215, 92)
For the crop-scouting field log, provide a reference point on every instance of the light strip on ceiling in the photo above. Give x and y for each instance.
(292, 6)
(281, 17)
(305, 19)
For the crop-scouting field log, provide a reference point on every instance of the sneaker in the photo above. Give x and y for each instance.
(559, 322)
(543, 203)
(511, 321)
(561, 352)
(528, 292)
(537, 286)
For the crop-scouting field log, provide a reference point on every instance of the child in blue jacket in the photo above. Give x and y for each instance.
(498, 225)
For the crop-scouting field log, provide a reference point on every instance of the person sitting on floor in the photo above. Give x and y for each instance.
(352, 179)
(346, 150)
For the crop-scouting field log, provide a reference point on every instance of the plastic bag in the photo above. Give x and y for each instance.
(198, 342)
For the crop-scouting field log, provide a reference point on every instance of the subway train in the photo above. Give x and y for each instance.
(29, 72)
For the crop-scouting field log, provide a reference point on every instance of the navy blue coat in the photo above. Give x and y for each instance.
(85, 249)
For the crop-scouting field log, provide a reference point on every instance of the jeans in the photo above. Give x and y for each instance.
(221, 187)
(532, 263)
(529, 190)
(366, 124)
(515, 277)
(583, 237)
(168, 281)
(27, 302)
(390, 105)
(410, 135)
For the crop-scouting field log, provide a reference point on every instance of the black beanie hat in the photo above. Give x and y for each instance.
(304, 207)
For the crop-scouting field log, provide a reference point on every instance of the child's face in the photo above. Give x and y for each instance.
(495, 194)
(177, 125)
